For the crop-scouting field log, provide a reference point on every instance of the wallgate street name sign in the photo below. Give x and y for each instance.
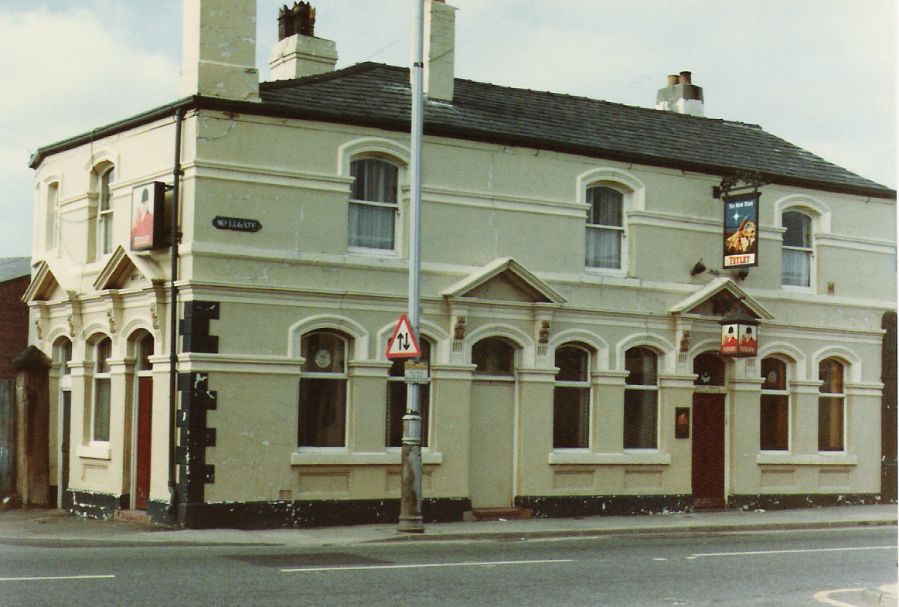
(238, 224)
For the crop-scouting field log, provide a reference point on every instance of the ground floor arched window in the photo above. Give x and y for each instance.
(323, 390)
(641, 399)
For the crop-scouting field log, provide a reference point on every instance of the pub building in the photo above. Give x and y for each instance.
(589, 347)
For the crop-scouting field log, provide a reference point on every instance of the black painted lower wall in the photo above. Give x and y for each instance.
(95, 505)
(789, 502)
(307, 514)
(160, 513)
(602, 505)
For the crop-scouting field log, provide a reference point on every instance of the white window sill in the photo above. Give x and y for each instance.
(618, 272)
(500, 378)
(649, 458)
(820, 459)
(94, 450)
(345, 458)
(373, 252)
(798, 289)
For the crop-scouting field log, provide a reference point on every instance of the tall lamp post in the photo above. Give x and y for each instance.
(410, 501)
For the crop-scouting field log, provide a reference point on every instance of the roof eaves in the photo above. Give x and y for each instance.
(110, 129)
(283, 109)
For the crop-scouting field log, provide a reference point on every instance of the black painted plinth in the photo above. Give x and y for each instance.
(308, 514)
(602, 505)
(805, 500)
(95, 505)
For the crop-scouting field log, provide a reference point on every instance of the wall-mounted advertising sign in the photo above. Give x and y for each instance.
(741, 221)
(147, 216)
(682, 422)
(739, 336)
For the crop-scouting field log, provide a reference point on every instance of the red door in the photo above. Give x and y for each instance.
(708, 450)
(144, 419)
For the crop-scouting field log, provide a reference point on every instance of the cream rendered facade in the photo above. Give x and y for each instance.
(481, 278)
(504, 241)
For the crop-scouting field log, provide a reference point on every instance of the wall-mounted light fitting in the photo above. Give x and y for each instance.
(699, 268)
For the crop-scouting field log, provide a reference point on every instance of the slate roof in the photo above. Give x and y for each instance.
(14, 267)
(379, 95)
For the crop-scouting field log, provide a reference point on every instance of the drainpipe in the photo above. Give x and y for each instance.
(173, 316)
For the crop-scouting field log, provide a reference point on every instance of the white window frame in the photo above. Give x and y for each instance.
(841, 396)
(343, 376)
(634, 200)
(62, 348)
(808, 251)
(52, 219)
(585, 384)
(656, 388)
(597, 227)
(96, 377)
(788, 373)
(396, 207)
(104, 240)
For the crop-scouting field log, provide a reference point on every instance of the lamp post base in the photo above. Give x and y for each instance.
(410, 524)
(410, 498)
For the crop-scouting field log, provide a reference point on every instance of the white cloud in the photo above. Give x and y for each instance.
(818, 73)
(67, 73)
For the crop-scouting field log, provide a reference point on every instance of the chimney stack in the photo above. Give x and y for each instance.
(218, 57)
(681, 96)
(440, 45)
(298, 52)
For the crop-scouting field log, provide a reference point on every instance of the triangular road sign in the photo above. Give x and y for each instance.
(402, 343)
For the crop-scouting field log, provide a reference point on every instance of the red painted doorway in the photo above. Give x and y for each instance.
(708, 450)
(144, 423)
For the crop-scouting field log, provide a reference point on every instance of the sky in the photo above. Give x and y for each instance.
(818, 73)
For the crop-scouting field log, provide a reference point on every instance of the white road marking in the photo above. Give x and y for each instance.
(56, 577)
(824, 597)
(424, 565)
(795, 551)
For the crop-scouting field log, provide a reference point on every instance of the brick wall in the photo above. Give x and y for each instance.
(13, 322)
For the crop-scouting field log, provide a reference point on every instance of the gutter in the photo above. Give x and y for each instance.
(173, 316)
(402, 125)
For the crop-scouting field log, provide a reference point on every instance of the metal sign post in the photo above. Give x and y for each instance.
(410, 499)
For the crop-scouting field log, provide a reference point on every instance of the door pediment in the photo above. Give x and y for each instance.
(45, 286)
(504, 280)
(719, 297)
(126, 271)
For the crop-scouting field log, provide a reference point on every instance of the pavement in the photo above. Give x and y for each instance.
(41, 526)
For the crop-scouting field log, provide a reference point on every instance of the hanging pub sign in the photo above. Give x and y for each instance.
(741, 221)
(147, 216)
(739, 335)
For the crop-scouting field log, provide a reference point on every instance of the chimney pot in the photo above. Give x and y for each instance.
(298, 53)
(298, 19)
(681, 95)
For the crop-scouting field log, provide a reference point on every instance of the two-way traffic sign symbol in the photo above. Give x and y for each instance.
(402, 343)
